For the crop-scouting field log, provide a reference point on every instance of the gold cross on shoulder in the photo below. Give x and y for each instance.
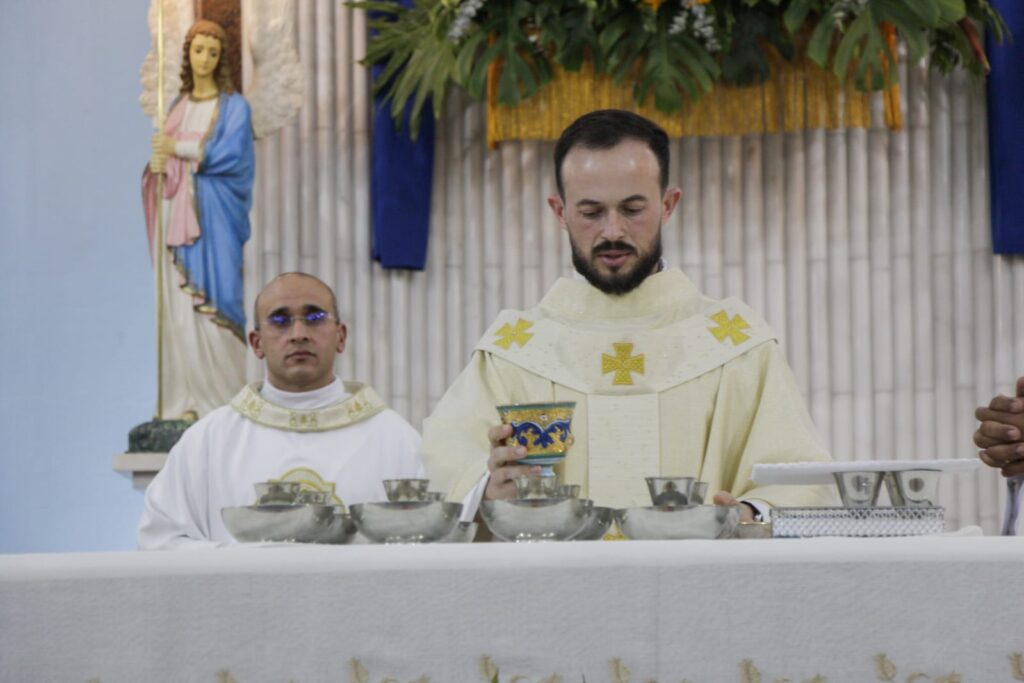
(622, 363)
(508, 335)
(730, 328)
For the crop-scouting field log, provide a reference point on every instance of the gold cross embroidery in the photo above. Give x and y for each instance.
(729, 328)
(508, 335)
(622, 363)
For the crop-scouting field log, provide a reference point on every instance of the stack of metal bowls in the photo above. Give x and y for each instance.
(412, 514)
(545, 511)
(284, 512)
(678, 513)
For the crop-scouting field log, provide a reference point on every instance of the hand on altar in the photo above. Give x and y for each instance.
(157, 163)
(163, 144)
(502, 465)
(726, 498)
(1001, 432)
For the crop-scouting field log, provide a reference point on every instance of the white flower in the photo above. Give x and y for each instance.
(463, 17)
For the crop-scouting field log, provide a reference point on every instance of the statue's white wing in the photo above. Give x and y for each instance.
(276, 90)
(178, 17)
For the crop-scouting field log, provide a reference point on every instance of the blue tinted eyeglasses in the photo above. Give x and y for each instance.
(284, 321)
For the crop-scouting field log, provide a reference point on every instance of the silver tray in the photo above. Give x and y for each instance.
(863, 522)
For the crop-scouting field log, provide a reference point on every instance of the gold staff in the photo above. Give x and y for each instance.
(158, 237)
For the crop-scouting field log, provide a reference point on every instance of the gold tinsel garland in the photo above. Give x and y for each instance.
(799, 95)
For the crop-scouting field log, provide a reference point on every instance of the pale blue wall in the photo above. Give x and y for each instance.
(76, 309)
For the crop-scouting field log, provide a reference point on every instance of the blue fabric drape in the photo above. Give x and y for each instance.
(400, 185)
(223, 193)
(1006, 132)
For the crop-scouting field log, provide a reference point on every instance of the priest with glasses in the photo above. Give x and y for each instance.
(301, 424)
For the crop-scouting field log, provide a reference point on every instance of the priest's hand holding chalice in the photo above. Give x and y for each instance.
(530, 440)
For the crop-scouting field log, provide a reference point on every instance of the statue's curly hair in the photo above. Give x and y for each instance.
(222, 75)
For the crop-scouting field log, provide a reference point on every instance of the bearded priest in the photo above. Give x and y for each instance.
(665, 380)
(301, 424)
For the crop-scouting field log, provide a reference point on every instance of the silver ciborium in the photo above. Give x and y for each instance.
(406, 522)
(538, 519)
(677, 523)
(295, 523)
(913, 488)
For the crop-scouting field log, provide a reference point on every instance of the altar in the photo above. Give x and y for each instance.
(837, 610)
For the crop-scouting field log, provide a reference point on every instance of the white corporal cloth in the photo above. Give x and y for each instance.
(842, 609)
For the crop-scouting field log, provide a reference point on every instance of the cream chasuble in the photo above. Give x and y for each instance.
(341, 439)
(665, 380)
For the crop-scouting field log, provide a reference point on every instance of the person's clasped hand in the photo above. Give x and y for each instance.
(1001, 432)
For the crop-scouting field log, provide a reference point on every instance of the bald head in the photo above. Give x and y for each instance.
(281, 280)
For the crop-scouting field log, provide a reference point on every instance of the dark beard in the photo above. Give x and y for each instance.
(619, 283)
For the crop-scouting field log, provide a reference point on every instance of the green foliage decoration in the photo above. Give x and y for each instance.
(668, 50)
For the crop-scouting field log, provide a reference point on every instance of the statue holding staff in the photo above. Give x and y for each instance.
(205, 151)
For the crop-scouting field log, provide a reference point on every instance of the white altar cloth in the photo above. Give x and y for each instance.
(847, 610)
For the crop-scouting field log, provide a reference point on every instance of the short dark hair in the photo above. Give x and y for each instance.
(294, 273)
(605, 128)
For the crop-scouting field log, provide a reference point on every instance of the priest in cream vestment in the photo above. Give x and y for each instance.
(301, 424)
(665, 380)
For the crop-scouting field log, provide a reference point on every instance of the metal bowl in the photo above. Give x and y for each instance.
(406, 522)
(598, 523)
(297, 523)
(676, 523)
(551, 519)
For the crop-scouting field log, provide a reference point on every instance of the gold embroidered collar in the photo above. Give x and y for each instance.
(362, 404)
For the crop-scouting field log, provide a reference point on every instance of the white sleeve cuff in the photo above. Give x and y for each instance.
(764, 510)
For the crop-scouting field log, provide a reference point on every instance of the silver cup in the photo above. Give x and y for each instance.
(913, 488)
(406, 490)
(859, 489)
(670, 491)
(436, 496)
(569, 491)
(533, 487)
(313, 498)
(276, 492)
